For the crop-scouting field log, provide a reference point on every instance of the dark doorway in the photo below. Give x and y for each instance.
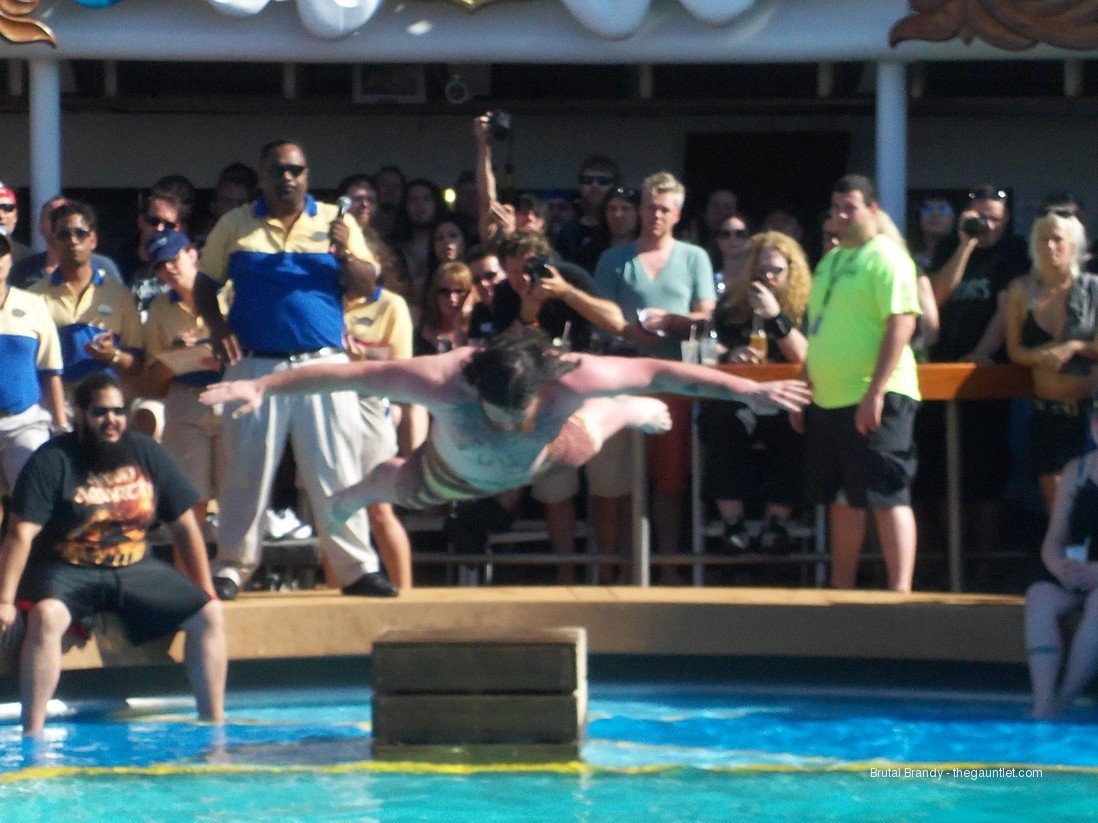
(793, 171)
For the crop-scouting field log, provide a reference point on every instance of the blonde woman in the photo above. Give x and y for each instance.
(1051, 326)
(774, 289)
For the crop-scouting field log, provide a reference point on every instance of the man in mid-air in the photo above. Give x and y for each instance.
(506, 412)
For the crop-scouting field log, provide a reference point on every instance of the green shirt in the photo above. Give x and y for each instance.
(854, 292)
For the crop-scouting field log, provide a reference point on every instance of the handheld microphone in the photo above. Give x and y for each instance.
(343, 205)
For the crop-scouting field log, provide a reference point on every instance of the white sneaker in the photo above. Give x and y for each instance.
(275, 526)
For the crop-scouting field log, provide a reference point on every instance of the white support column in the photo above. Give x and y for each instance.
(892, 139)
(45, 137)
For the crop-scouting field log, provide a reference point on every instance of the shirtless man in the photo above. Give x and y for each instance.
(506, 412)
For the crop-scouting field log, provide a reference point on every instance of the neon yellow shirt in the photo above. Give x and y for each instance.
(854, 292)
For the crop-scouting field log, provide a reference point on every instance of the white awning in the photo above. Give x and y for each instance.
(530, 31)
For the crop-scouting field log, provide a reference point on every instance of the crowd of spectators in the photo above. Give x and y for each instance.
(411, 268)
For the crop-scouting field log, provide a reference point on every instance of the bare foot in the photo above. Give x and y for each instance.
(653, 415)
(341, 506)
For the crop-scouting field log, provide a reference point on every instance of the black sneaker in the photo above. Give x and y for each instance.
(226, 588)
(735, 539)
(371, 584)
(774, 538)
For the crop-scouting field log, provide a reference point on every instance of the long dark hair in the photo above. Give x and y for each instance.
(511, 369)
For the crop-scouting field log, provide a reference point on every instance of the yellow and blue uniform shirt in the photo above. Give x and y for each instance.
(165, 327)
(29, 349)
(104, 306)
(382, 320)
(288, 296)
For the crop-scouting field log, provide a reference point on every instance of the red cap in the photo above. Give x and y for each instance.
(6, 191)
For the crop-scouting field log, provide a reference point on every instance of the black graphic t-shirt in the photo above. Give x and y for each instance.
(99, 518)
(965, 315)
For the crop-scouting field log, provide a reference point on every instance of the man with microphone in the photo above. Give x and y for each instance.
(290, 258)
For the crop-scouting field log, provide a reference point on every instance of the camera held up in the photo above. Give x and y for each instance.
(975, 226)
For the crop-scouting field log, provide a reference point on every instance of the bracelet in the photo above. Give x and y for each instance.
(778, 326)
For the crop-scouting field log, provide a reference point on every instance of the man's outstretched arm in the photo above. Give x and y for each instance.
(422, 380)
(645, 375)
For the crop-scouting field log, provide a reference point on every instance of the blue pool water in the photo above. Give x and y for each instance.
(651, 754)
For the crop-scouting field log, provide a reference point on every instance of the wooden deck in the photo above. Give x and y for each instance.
(796, 623)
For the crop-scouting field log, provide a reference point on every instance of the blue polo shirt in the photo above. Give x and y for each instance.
(287, 291)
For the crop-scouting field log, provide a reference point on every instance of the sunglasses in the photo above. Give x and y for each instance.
(724, 234)
(103, 411)
(769, 271)
(7, 208)
(451, 292)
(69, 234)
(1060, 212)
(592, 179)
(291, 169)
(987, 193)
(931, 209)
(157, 222)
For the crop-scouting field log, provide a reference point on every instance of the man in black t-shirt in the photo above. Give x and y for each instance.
(77, 546)
(564, 302)
(969, 274)
(561, 293)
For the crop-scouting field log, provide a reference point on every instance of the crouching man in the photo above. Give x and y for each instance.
(76, 546)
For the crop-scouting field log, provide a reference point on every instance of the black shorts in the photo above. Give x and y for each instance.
(1059, 434)
(150, 597)
(872, 472)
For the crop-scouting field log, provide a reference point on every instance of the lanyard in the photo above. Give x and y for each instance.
(840, 270)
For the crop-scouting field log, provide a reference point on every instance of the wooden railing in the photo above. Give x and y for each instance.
(939, 382)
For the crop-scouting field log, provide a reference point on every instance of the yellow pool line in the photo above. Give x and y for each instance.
(573, 767)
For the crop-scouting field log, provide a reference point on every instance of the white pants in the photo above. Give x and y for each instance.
(326, 433)
(20, 435)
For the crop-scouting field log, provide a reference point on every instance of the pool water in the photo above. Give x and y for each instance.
(652, 754)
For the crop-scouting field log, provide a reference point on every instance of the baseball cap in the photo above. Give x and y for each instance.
(7, 191)
(165, 245)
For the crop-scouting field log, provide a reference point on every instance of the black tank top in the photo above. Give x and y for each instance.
(1032, 334)
(1084, 515)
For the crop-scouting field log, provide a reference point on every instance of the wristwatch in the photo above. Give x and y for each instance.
(778, 327)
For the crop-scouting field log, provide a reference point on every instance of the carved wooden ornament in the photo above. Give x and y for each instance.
(16, 25)
(1014, 25)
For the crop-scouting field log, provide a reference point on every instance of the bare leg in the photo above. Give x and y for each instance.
(847, 536)
(40, 662)
(379, 486)
(667, 527)
(896, 531)
(392, 543)
(609, 519)
(206, 660)
(1083, 656)
(560, 522)
(1045, 602)
(1049, 483)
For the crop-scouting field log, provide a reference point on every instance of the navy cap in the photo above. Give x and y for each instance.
(165, 245)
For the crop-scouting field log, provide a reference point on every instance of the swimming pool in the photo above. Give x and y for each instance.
(653, 753)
